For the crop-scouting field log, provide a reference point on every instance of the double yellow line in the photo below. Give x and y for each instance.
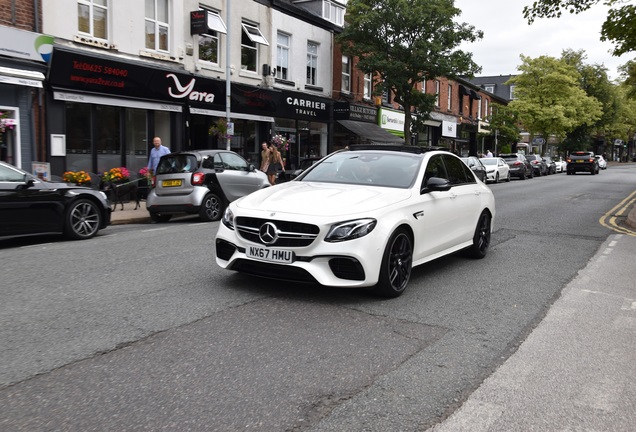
(610, 219)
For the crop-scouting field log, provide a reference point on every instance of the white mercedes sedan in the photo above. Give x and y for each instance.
(360, 218)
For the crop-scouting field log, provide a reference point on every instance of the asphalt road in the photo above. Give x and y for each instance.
(138, 329)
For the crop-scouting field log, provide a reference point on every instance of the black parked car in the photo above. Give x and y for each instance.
(552, 168)
(29, 205)
(539, 166)
(519, 165)
(477, 166)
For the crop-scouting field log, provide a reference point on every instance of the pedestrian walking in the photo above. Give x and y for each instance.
(155, 154)
(275, 164)
(264, 157)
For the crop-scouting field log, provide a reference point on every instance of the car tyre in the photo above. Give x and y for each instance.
(397, 262)
(83, 220)
(159, 218)
(508, 178)
(211, 208)
(497, 178)
(481, 239)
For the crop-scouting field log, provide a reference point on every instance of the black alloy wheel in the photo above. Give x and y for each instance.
(397, 262)
(481, 239)
(82, 220)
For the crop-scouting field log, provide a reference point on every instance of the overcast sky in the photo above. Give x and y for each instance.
(507, 35)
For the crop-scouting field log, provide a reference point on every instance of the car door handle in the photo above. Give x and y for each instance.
(453, 196)
(477, 192)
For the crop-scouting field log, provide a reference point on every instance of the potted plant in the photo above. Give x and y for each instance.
(80, 178)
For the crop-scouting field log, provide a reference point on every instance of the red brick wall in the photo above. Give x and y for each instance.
(21, 14)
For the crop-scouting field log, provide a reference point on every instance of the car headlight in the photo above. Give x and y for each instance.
(350, 230)
(228, 218)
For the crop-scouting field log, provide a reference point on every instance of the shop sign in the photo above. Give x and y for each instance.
(304, 107)
(24, 44)
(341, 110)
(449, 129)
(364, 114)
(392, 120)
(104, 75)
(198, 23)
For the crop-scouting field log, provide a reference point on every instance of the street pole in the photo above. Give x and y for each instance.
(228, 72)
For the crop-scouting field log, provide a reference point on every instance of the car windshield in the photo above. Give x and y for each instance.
(387, 169)
(489, 161)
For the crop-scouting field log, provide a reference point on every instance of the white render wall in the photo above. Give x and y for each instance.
(126, 38)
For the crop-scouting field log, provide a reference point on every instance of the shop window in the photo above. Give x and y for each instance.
(250, 40)
(346, 75)
(92, 18)
(107, 137)
(78, 137)
(209, 42)
(136, 139)
(157, 25)
(312, 63)
(282, 56)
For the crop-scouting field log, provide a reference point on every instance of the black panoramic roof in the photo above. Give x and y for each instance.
(395, 147)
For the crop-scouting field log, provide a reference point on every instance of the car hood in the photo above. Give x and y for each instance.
(322, 199)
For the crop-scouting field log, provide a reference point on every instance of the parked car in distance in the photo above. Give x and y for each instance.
(496, 169)
(474, 163)
(201, 182)
(602, 163)
(29, 205)
(539, 166)
(362, 217)
(519, 165)
(560, 164)
(551, 164)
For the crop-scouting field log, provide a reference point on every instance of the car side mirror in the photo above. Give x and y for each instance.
(436, 184)
(251, 168)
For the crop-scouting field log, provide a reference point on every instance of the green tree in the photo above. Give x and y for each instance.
(404, 42)
(549, 98)
(619, 27)
(504, 123)
(595, 82)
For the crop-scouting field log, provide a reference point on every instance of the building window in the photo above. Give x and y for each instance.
(486, 112)
(250, 40)
(512, 92)
(282, 56)
(92, 18)
(209, 43)
(346, 75)
(450, 97)
(423, 86)
(157, 25)
(479, 109)
(490, 88)
(437, 93)
(368, 86)
(312, 63)
(333, 12)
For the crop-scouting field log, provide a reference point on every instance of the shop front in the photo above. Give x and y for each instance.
(22, 71)
(358, 124)
(106, 111)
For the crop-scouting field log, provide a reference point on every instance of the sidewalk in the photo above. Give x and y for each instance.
(577, 370)
(129, 215)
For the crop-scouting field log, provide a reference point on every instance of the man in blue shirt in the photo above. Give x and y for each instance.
(156, 153)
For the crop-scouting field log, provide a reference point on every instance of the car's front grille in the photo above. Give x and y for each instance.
(290, 234)
(273, 271)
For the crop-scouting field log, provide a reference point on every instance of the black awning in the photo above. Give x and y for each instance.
(474, 94)
(370, 131)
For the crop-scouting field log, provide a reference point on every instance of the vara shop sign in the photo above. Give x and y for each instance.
(98, 74)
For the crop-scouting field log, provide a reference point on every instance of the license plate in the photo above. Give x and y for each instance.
(171, 183)
(269, 254)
